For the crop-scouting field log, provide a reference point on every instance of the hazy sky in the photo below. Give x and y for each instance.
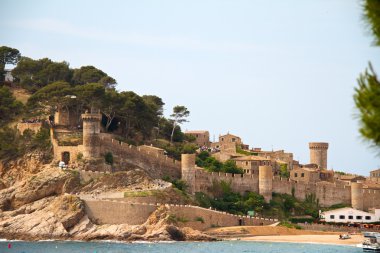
(277, 73)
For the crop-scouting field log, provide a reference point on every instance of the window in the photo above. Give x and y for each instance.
(222, 139)
(233, 139)
(332, 216)
(302, 174)
(196, 135)
(359, 217)
(246, 163)
(295, 175)
(342, 217)
(350, 217)
(368, 217)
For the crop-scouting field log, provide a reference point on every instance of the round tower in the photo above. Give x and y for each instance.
(91, 130)
(265, 182)
(357, 195)
(318, 153)
(188, 171)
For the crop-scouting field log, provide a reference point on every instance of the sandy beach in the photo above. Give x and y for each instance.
(319, 239)
(282, 234)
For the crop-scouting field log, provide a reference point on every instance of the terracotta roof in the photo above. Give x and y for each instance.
(196, 132)
(251, 158)
(230, 135)
(350, 177)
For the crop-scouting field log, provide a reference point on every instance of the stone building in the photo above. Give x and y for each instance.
(67, 117)
(278, 155)
(318, 153)
(202, 137)
(375, 173)
(251, 164)
(305, 175)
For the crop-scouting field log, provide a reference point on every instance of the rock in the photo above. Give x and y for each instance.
(49, 182)
(47, 219)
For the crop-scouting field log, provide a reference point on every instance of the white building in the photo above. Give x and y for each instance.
(349, 215)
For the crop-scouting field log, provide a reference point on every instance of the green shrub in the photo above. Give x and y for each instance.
(108, 157)
(79, 156)
(200, 219)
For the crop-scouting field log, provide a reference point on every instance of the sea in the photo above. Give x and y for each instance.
(172, 247)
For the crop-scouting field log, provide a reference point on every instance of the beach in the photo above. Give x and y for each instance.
(282, 234)
(317, 239)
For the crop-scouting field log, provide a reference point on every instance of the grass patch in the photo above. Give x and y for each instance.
(289, 225)
(148, 193)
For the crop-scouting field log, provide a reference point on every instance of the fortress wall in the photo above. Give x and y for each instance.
(200, 218)
(327, 193)
(330, 194)
(371, 198)
(282, 185)
(156, 165)
(112, 212)
(239, 183)
(35, 127)
(118, 212)
(87, 175)
(202, 181)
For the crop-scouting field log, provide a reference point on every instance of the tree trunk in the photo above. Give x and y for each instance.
(171, 136)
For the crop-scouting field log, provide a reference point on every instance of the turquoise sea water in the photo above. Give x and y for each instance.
(180, 247)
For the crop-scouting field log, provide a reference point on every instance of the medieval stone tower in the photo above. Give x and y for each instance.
(265, 182)
(318, 153)
(357, 195)
(91, 130)
(188, 171)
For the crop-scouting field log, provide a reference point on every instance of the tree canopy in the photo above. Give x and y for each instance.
(179, 115)
(35, 74)
(8, 55)
(367, 100)
(9, 106)
(367, 93)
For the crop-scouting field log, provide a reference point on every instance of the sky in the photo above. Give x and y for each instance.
(279, 74)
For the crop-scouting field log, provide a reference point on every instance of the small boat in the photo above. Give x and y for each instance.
(344, 237)
(372, 242)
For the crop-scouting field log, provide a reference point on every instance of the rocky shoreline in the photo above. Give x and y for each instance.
(42, 204)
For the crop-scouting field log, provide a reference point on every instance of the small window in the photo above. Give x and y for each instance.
(350, 217)
(233, 139)
(246, 163)
(332, 216)
(359, 217)
(295, 175)
(302, 174)
(196, 135)
(342, 217)
(368, 217)
(222, 139)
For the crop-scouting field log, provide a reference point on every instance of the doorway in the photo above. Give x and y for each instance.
(66, 157)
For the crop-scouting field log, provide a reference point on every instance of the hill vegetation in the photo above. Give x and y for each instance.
(54, 85)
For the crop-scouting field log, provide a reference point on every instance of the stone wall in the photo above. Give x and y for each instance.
(87, 175)
(119, 212)
(371, 198)
(35, 127)
(155, 164)
(327, 193)
(59, 150)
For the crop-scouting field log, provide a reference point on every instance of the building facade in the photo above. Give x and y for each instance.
(350, 215)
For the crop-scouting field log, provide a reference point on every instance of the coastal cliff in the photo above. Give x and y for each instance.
(39, 201)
